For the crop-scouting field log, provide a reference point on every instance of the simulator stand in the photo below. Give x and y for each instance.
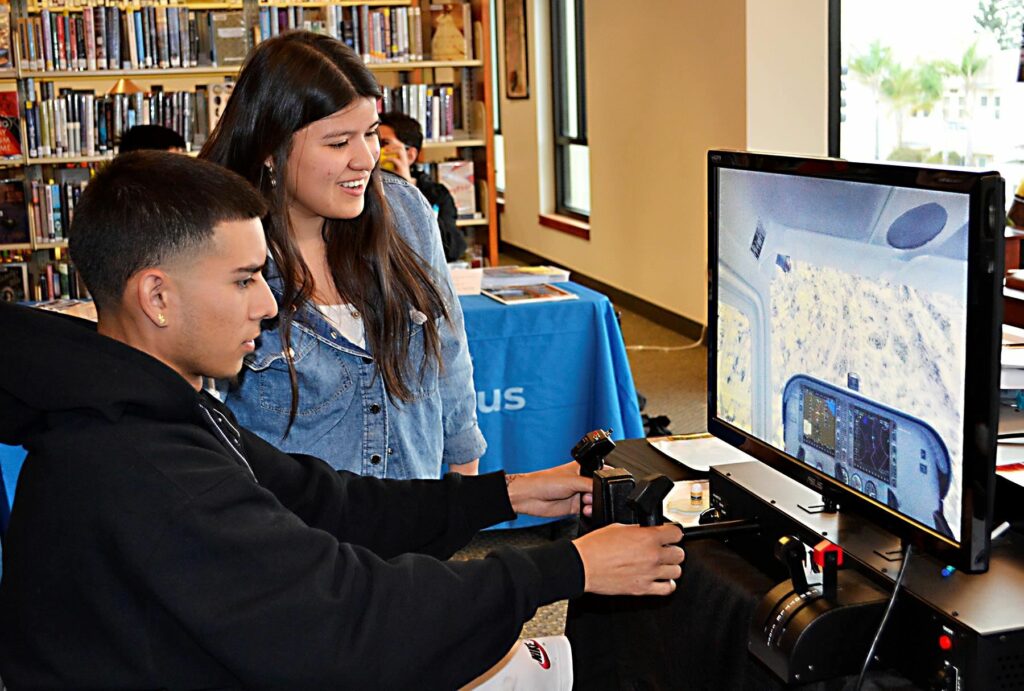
(948, 630)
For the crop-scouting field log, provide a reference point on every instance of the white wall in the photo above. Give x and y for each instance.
(787, 76)
(666, 80)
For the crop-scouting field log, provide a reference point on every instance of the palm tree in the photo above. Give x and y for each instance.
(901, 87)
(1001, 18)
(967, 70)
(911, 89)
(870, 68)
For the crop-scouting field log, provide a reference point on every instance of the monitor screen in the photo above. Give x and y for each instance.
(842, 337)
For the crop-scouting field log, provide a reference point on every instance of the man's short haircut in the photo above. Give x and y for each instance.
(151, 137)
(146, 208)
(407, 129)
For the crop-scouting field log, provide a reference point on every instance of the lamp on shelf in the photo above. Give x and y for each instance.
(124, 86)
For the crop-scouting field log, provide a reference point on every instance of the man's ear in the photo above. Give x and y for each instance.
(152, 292)
(414, 154)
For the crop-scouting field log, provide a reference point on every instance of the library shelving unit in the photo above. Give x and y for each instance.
(72, 110)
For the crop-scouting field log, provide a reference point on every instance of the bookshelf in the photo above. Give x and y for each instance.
(74, 98)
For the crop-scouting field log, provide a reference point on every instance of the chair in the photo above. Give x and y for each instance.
(11, 458)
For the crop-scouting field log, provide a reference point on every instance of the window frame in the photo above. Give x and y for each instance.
(835, 76)
(562, 142)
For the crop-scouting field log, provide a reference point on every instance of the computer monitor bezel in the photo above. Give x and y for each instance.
(983, 340)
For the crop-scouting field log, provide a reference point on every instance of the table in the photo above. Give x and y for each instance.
(546, 374)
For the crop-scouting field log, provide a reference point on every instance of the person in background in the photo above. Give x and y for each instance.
(401, 140)
(155, 137)
(155, 543)
(367, 365)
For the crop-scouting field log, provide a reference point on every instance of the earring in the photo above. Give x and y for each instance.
(161, 319)
(270, 172)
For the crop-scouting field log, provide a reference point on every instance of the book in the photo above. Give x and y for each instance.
(228, 36)
(451, 31)
(6, 59)
(173, 37)
(521, 295)
(458, 177)
(13, 213)
(501, 276)
(10, 125)
(85, 309)
(467, 281)
(14, 282)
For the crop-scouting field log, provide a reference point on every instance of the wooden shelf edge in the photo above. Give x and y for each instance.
(36, 9)
(423, 64)
(142, 72)
(469, 222)
(342, 3)
(454, 143)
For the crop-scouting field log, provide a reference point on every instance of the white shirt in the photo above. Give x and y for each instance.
(347, 321)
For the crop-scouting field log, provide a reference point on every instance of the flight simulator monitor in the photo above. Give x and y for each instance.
(855, 317)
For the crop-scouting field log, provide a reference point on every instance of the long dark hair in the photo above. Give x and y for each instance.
(288, 82)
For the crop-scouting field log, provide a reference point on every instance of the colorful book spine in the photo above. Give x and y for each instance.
(113, 37)
(80, 36)
(72, 35)
(141, 56)
(89, 24)
(47, 42)
(173, 37)
(32, 129)
(184, 45)
(163, 49)
(100, 35)
(30, 41)
(193, 37)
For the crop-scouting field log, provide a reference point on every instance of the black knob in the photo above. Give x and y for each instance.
(791, 552)
(590, 451)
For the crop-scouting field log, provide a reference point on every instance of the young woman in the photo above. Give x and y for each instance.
(367, 365)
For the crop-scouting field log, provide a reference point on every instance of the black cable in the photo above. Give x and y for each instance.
(885, 619)
(1011, 435)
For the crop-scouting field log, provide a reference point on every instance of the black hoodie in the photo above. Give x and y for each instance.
(153, 544)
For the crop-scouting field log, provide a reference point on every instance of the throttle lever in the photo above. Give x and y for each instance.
(791, 552)
(647, 499)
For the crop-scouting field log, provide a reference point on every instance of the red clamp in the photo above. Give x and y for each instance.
(824, 547)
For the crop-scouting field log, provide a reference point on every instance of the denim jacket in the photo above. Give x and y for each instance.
(344, 414)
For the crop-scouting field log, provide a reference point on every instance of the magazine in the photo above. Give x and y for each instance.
(501, 276)
(519, 295)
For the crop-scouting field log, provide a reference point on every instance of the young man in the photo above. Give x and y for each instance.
(401, 140)
(155, 544)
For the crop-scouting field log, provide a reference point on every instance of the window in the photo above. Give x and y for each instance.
(572, 156)
(499, 139)
(962, 56)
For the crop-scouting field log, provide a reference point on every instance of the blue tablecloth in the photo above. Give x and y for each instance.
(546, 374)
